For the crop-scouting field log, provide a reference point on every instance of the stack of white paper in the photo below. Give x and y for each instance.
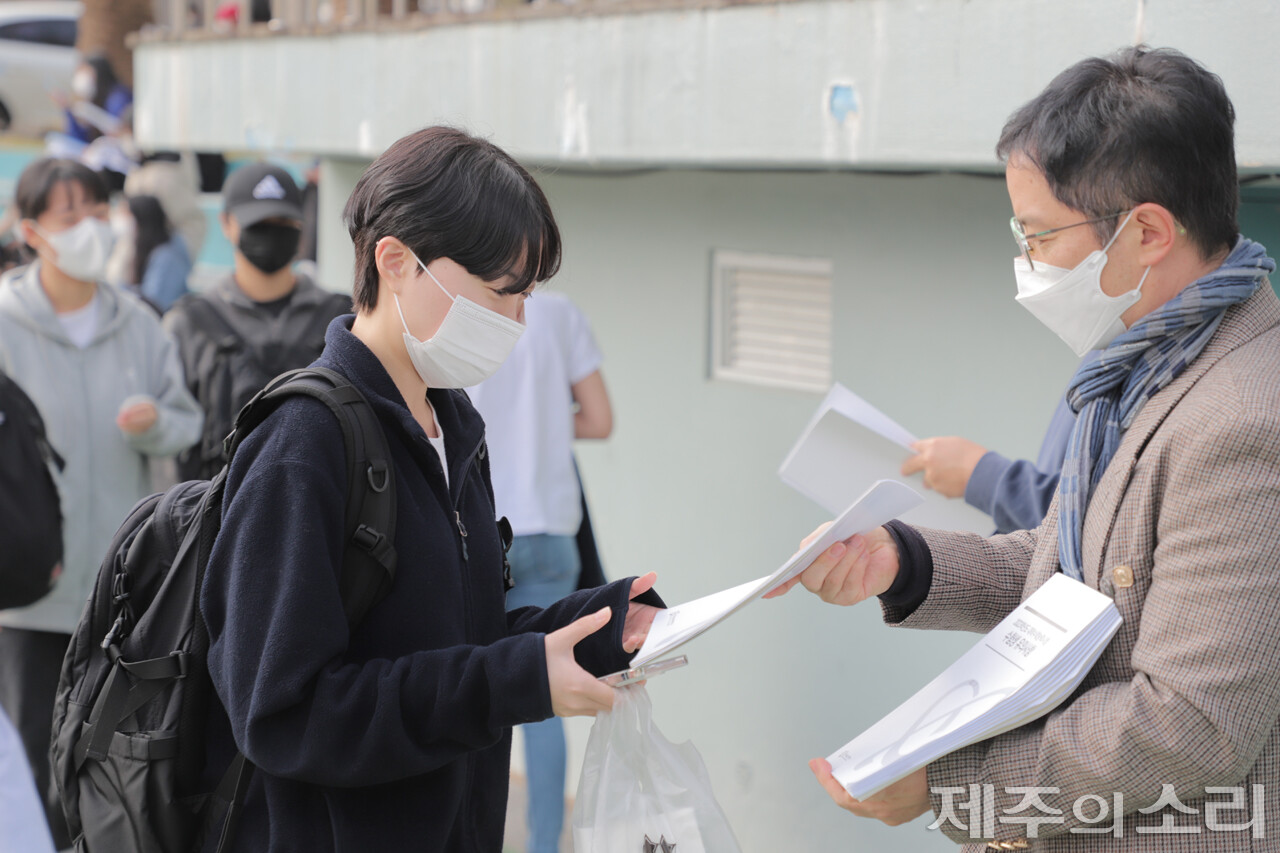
(883, 502)
(849, 442)
(1021, 670)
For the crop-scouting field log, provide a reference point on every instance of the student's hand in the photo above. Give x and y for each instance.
(947, 463)
(848, 572)
(639, 616)
(903, 801)
(137, 418)
(574, 691)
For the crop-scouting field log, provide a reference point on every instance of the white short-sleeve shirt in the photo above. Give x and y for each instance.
(527, 408)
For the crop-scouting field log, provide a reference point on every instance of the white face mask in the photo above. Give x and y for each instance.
(1071, 302)
(83, 249)
(468, 348)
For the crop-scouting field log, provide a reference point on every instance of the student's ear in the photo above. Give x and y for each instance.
(396, 263)
(27, 233)
(1159, 230)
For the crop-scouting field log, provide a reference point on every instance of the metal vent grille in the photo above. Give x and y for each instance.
(771, 320)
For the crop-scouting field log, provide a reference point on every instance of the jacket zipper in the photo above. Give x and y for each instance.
(467, 602)
(462, 532)
(466, 554)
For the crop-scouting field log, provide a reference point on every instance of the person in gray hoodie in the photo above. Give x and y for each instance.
(108, 384)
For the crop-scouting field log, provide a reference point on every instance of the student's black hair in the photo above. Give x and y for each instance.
(105, 76)
(447, 194)
(37, 181)
(1143, 125)
(152, 231)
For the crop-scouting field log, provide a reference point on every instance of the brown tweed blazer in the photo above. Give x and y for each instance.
(1183, 532)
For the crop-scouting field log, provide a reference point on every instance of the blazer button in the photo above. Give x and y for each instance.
(1122, 576)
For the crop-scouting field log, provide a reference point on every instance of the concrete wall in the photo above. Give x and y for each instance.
(818, 83)
(926, 328)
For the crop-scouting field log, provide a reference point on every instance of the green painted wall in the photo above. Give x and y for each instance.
(1260, 218)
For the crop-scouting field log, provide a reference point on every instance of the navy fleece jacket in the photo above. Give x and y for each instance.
(396, 736)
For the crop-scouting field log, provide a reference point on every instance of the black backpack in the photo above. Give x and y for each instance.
(238, 366)
(30, 514)
(132, 704)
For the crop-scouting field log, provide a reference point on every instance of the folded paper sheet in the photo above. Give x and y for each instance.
(884, 501)
(849, 442)
(1022, 669)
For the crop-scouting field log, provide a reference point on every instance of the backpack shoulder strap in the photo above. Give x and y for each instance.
(206, 313)
(329, 306)
(369, 561)
(28, 412)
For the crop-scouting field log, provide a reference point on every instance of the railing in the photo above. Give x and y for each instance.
(211, 18)
(294, 15)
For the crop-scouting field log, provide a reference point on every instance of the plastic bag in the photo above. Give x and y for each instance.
(640, 793)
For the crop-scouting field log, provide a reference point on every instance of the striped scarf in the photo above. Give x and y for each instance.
(1108, 393)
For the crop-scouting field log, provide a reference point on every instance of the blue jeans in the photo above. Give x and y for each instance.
(545, 569)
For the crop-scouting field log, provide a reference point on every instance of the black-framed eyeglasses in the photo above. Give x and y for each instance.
(1024, 239)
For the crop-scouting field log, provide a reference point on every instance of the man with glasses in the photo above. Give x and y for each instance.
(1123, 181)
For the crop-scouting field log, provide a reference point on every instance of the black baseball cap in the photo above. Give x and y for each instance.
(261, 191)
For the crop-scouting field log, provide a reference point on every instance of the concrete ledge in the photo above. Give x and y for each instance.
(810, 84)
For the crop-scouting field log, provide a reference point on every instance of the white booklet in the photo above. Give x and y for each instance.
(849, 442)
(1022, 669)
(883, 502)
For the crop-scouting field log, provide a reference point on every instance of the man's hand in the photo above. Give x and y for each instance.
(574, 691)
(947, 463)
(137, 418)
(848, 572)
(639, 616)
(901, 802)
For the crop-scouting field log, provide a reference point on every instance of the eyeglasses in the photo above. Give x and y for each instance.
(1024, 239)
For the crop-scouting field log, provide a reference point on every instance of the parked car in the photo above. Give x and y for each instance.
(37, 58)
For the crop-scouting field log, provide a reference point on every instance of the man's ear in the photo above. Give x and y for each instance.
(224, 219)
(396, 263)
(1159, 230)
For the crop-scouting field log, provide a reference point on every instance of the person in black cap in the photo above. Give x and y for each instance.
(260, 321)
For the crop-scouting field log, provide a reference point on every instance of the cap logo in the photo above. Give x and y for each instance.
(268, 187)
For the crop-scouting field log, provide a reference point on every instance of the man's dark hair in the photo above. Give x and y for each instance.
(447, 194)
(37, 181)
(1140, 126)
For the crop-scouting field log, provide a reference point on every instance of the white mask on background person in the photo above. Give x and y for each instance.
(84, 84)
(469, 347)
(1071, 301)
(83, 249)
